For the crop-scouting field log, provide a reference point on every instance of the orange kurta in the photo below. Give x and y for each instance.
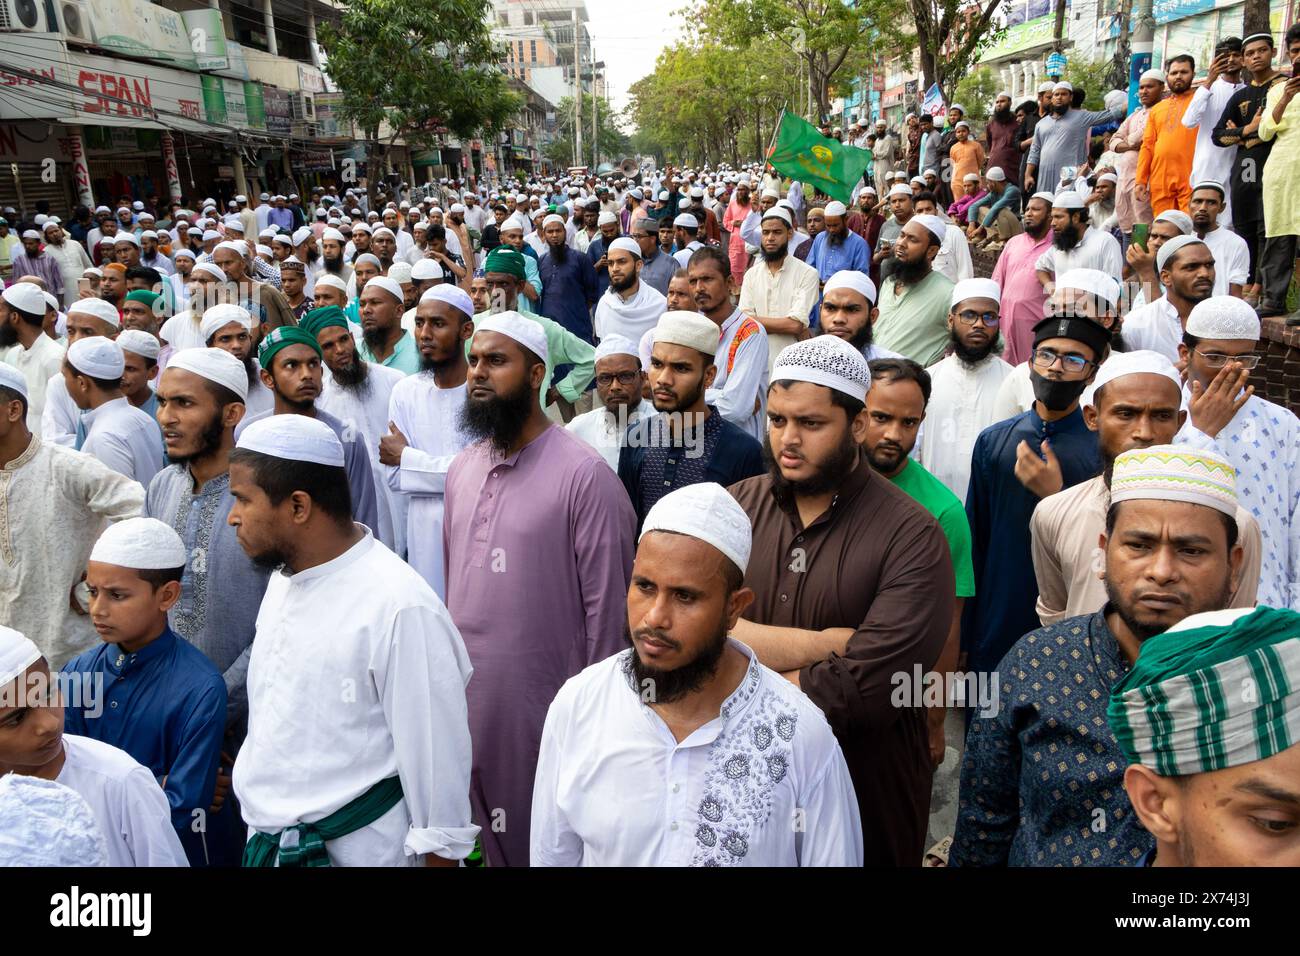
(1165, 161)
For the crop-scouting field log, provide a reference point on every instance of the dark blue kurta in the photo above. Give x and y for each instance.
(165, 705)
(595, 252)
(1042, 780)
(999, 508)
(569, 291)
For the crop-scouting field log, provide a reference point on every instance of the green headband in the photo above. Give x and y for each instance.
(319, 319)
(502, 259)
(282, 337)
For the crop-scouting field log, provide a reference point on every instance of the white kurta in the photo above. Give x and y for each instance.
(1210, 161)
(963, 403)
(61, 415)
(631, 317)
(1263, 443)
(739, 391)
(1096, 250)
(181, 331)
(54, 504)
(953, 258)
(789, 293)
(1156, 327)
(1231, 257)
(1015, 394)
(762, 784)
(38, 365)
(368, 414)
(73, 261)
(358, 674)
(129, 805)
(124, 438)
(429, 417)
(600, 429)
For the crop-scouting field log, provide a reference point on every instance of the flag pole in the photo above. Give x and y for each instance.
(775, 132)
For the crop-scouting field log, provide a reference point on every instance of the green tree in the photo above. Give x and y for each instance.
(975, 91)
(1093, 78)
(410, 69)
(613, 143)
(950, 35)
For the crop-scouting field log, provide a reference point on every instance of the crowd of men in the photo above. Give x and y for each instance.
(552, 529)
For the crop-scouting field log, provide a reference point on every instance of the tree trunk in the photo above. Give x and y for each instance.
(1123, 48)
(1058, 31)
(1255, 19)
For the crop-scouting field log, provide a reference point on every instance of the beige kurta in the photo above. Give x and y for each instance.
(1066, 528)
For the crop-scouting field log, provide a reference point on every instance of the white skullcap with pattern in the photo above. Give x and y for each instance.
(825, 360)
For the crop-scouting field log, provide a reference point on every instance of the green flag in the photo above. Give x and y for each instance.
(802, 153)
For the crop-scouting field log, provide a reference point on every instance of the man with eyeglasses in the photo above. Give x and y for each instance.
(1262, 440)
(1017, 462)
(1186, 268)
(965, 384)
(618, 383)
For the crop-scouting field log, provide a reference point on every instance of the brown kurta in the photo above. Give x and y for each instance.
(875, 561)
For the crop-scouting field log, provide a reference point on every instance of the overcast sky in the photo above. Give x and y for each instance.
(629, 37)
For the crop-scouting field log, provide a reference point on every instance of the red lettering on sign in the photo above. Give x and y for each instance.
(104, 92)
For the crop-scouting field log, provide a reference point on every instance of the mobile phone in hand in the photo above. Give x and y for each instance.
(1140, 232)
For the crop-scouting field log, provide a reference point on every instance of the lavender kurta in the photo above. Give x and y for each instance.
(539, 553)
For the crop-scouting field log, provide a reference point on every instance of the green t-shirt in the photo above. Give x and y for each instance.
(946, 508)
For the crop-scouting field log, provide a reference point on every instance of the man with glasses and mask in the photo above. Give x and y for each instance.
(1260, 439)
(1017, 462)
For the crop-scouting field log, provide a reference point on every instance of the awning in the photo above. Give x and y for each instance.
(428, 157)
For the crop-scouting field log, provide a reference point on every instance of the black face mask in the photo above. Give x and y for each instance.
(1056, 395)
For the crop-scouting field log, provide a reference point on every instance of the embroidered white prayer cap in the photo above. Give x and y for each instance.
(1103, 285)
(145, 544)
(453, 295)
(96, 356)
(293, 438)
(13, 380)
(933, 224)
(26, 297)
(626, 245)
(687, 221)
(17, 653)
(1175, 473)
(423, 270)
(837, 208)
(302, 235)
(705, 511)
(900, 189)
(294, 264)
(44, 823)
(995, 175)
(212, 269)
(332, 281)
(604, 219)
(1063, 85)
(139, 342)
(691, 329)
(388, 285)
(219, 316)
(1209, 184)
(825, 360)
(779, 212)
(1223, 317)
(216, 365)
(859, 282)
(1172, 246)
(400, 272)
(1138, 362)
(1178, 218)
(976, 289)
(616, 345)
(1067, 199)
(525, 331)
(1156, 75)
(100, 309)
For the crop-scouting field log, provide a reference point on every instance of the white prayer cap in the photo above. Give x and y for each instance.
(1046, 196)
(1209, 184)
(216, 365)
(961, 124)
(899, 189)
(698, 192)
(97, 357)
(293, 438)
(50, 301)
(381, 231)
(210, 234)
(1103, 285)
(237, 246)
(241, 199)
(139, 342)
(1047, 86)
(422, 270)
(460, 206)
(1138, 362)
(779, 212)
(1178, 218)
(332, 281)
(616, 345)
(934, 224)
(126, 237)
(930, 172)
(182, 253)
(212, 269)
(145, 544)
(99, 273)
(262, 250)
(825, 360)
(361, 227)
(636, 193)
(995, 175)
(604, 219)
(388, 285)
(302, 235)
(976, 289)
(51, 221)
(294, 264)
(400, 272)
(859, 282)
(691, 329)
(687, 221)
(1063, 85)
(100, 309)
(44, 823)
(219, 316)
(17, 653)
(1067, 199)
(13, 379)
(332, 234)
(1001, 95)
(627, 245)
(525, 331)
(367, 257)
(234, 223)
(837, 208)
(453, 295)
(971, 178)
(1107, 178)
(1222, 317)
(1156, 75)
(706, 512)
(915, 181)
(1172, 246)
(521, 197)
(771, 192)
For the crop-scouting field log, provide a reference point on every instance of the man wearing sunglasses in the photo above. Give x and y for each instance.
(1262, 440)
(1019, 461)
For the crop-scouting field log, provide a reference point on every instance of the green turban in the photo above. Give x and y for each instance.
(281, 337)
(505, 259)
(143, 295)
(317, 319)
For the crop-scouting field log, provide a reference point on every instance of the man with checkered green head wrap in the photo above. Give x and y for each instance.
(1209, 719)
